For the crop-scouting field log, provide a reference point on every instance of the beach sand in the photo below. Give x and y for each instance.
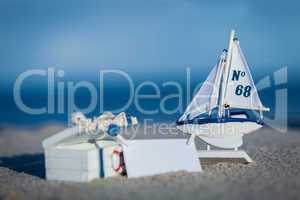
(275, 174)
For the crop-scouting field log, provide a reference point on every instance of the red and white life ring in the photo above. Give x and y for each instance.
(118, 163)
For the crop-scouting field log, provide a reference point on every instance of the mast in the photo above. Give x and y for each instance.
(225, 75)
(216, 84)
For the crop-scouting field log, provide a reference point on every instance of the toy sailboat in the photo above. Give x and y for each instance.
(220, 112)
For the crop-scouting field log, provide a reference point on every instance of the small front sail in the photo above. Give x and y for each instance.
(207, 97)
(240, 89)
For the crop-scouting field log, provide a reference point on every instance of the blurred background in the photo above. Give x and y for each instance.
(148, 40)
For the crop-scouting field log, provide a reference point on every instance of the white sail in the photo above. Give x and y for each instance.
(240, 90)
(207, 97)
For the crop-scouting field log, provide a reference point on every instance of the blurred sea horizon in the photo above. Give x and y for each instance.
(116, 94)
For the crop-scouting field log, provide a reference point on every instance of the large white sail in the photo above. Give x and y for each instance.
(207, 97)
(240, 91)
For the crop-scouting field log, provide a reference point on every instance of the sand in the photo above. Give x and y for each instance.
(275, 174)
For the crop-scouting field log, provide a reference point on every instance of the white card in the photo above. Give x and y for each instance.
(156, 156)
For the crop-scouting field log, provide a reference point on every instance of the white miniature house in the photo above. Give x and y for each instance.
(79, 162)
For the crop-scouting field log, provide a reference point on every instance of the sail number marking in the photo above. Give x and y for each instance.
(241, 90)
(236, 75)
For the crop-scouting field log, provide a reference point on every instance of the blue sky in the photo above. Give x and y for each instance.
(83, 36)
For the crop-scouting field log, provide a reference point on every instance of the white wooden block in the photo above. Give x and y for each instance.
(151, 157)
(80, 162)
